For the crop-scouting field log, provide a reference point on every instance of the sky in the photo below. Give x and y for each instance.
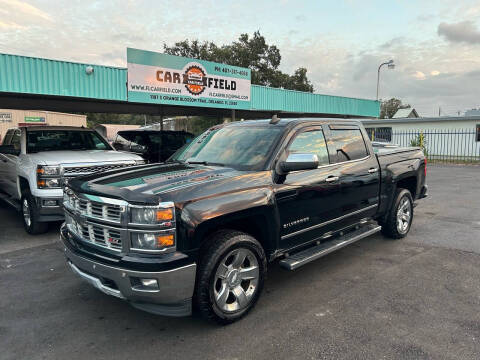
(435, 44)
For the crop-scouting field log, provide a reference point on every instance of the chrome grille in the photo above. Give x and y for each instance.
(83, 170)
(98, 210)
(96, 234)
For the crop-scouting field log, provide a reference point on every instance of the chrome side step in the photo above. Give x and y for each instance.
(303, 257)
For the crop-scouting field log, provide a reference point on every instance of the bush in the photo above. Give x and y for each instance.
(420, 141)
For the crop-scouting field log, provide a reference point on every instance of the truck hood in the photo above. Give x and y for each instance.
(149, 184)
(65, 157)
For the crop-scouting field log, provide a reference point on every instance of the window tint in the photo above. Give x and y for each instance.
(239, 147)
(311, 142)
(346, 145)
(55, 140)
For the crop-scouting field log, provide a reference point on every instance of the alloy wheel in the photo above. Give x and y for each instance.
(26, 212)
(404, 214)
(236, 280)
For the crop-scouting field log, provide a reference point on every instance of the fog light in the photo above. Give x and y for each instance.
(149, 283)
(50, 203)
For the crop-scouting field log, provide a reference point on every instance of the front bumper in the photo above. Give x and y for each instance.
(173, 298)
(50, 208)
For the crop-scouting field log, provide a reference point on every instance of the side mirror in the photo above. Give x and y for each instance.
(9, 150)
(117, 146)
(138, 148)
(297, 161)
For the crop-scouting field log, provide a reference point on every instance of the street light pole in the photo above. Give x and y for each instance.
(390, 64)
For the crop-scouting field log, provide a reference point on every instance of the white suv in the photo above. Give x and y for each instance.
(35, 162)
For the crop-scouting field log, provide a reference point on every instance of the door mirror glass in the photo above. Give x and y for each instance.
(9, 150)
(298, 161)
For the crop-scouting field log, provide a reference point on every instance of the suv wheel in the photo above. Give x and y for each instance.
(230, 276)
(30, 216)
(399, 220)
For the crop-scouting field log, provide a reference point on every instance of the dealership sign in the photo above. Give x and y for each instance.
(174, 80)
(34, 119)
(5, 117)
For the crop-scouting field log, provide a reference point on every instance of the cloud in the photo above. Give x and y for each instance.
(419, 75)
(9, 25)
(17, 6)
(435, 73)
(393, 42)
(461, 32)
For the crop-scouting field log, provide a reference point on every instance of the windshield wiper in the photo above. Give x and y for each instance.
(206, 163)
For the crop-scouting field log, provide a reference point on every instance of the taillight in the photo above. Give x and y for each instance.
(425, 169)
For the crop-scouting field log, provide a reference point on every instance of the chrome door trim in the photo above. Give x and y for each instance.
(298, 232)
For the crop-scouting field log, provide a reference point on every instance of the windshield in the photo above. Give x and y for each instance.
(243, 148)
(53, 140)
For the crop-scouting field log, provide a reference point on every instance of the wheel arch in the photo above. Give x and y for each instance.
(22, 185)
(253, 222)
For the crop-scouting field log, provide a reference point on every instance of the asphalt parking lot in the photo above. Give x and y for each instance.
(417, 298)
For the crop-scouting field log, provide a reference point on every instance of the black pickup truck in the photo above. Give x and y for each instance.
(201, 228)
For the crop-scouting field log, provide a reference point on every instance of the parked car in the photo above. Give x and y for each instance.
(35, 162)
(152, 145)
(202, 228)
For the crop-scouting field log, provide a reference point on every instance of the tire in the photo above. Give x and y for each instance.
(225, 290)
(30, 216)
(400, 217)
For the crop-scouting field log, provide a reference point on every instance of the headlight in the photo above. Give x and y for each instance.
(139, 162)
(153, 215)
(152, 241)
(48, 170)
(48, 177)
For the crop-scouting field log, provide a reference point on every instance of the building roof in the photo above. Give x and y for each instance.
(422, 119)
(405, 113)
(106, 91)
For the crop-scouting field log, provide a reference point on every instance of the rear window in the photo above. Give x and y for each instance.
(346, 145)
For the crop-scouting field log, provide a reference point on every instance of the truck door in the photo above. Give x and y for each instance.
(307, 199)
(359, 176)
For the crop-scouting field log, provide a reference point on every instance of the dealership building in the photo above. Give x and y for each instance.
(162, 85)
(10, 118)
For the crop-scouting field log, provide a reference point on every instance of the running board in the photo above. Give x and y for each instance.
(303, 257)
(12, 202)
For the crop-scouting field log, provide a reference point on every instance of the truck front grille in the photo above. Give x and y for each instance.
(69, 171)
(98, 210)
(96, 234)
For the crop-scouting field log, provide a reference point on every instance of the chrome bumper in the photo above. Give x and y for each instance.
(173, 298)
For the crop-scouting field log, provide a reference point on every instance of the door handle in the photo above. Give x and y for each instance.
(331, 178)
(372, 170)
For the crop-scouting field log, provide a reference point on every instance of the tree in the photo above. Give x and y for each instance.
(390, 107)
(249, 52)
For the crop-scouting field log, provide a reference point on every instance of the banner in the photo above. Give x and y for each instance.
(34, 119)
(174, 80)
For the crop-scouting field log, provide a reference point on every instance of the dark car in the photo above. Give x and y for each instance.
(201, 228)
(153, 145)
